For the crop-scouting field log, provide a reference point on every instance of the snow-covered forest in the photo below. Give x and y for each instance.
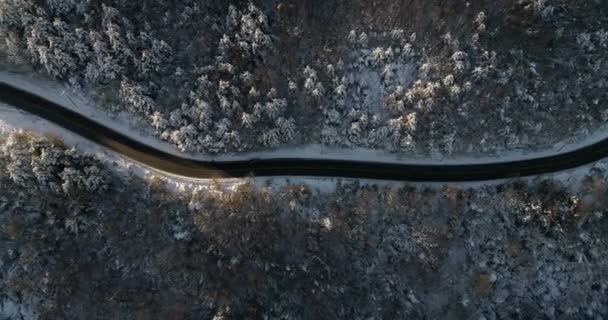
(80, 241)
(216, 76)
(46, 166)
(87, 236)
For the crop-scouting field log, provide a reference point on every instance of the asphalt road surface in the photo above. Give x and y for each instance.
(183, 166)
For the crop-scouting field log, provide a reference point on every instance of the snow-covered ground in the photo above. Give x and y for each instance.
(62, 95)
(12, 119)
(10, 309)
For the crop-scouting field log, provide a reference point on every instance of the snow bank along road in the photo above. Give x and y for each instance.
(184, 166)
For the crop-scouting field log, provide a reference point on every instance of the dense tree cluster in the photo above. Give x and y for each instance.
(139, 251)
(212, 103)
(217, 76)
(464, 94)
(45, 166)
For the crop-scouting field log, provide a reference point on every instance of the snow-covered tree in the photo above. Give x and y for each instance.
(352, 37)
(185, 138)
(363, 40)
(248, 120)
(274, 108)
(63, 7)
(330, 136)
(33, 162)
(134, 98)
(158, 121)
(354, 133)
(286, 129)
(318, 91)
(271, 138)
(459, 59)
(341, 90)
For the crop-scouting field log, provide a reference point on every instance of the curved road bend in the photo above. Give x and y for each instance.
(163, 161)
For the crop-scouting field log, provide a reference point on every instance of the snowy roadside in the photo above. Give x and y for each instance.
(60, 94)
(12, 119)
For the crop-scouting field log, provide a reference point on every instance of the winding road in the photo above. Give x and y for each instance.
(183, 166)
